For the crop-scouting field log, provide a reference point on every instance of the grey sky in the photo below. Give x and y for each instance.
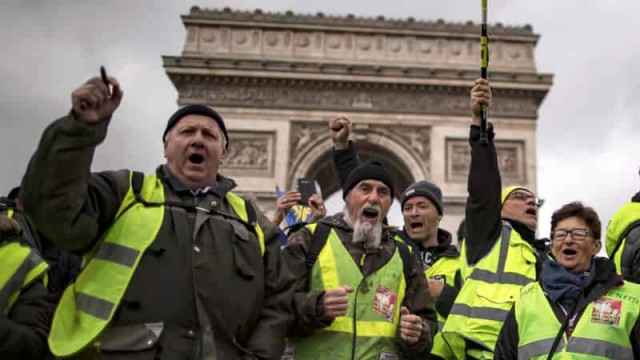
(588, 146)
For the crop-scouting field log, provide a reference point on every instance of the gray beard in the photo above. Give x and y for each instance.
(366, 233)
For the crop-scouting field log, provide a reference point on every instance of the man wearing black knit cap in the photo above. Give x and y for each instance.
(349, 270)
(179, 267)
(422, 210)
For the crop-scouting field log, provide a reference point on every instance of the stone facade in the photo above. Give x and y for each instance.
(277, 78)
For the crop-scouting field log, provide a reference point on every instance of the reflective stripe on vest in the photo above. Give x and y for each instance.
(87, 306)
(465, 268)
(21, 265)
(602, 331)
(491, 289)
(617, 257)
(374, 306)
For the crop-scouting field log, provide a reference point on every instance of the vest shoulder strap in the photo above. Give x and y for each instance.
(405, 255)
(318, 240)
(252, 218)
(137, 181)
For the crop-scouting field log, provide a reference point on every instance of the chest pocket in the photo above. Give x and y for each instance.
(505, 296)
(246, 250)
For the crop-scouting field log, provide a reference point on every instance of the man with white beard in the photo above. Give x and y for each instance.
(359, 293)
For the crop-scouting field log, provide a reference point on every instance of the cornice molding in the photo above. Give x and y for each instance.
(184, 65)
(380, 22)
(394, 98)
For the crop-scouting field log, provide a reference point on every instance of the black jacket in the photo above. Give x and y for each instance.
(444, 249)
(605, 279)
(484, 204)
(24, 330)
(64, 266)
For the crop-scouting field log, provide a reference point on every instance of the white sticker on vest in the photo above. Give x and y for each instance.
(385, 303)
(388, 356)
(289, 353)
(606, 312)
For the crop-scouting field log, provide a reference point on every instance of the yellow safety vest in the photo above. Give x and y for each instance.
(602, 332)
(465, 267)
(21, 266)
(445, 268)
(368, 331)
(87, 307)
(627, 217)
(490, 291)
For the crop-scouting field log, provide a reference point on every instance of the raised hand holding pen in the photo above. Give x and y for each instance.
(92, 102)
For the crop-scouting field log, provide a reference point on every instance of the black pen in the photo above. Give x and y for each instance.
(103, 75)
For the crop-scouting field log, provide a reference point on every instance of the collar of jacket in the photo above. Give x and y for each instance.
(526, 234)
(223, 184)
(444, 248)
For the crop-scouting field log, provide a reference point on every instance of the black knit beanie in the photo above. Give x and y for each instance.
(199, 110)
(368, 170)
(427, 189)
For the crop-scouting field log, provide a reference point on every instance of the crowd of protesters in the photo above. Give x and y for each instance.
(176, 265)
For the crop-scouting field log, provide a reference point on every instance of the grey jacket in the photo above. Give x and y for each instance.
(202, 289)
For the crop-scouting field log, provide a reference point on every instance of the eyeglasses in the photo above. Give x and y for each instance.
(522, 196)
(576, 234)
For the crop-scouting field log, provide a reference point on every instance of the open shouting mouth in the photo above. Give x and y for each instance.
(196, 159)
(370, 213)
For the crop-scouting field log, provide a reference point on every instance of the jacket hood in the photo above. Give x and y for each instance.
(445, 248)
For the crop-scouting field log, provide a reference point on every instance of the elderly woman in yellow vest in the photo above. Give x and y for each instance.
(580, 308)
(24, 312)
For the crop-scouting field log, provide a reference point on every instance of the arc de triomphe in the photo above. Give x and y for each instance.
(278, 78)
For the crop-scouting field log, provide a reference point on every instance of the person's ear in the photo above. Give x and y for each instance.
(597, 245)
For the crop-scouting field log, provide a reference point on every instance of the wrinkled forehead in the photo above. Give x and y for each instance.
(197, 120)
(376, 184)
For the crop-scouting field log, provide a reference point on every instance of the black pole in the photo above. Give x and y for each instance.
(484, 64)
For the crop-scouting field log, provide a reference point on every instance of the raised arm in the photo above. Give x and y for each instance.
(67, 203)
(483, 204)
(345, 156)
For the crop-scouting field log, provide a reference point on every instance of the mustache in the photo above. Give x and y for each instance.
(369, 206)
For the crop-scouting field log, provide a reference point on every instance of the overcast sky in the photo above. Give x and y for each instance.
(588, 129)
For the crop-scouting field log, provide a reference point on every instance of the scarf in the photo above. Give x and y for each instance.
(562, 286)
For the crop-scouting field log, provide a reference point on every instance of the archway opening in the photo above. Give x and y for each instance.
(325, 173)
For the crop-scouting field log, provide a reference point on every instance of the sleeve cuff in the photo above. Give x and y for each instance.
(474, 133)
